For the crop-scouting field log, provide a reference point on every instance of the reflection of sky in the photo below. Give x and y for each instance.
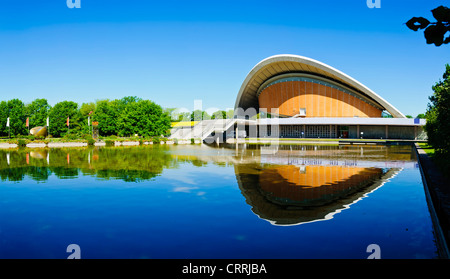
(200, 212)
(191, 179)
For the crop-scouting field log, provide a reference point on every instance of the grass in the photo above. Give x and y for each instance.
(183, 124)
(427, 148)
(440, 159)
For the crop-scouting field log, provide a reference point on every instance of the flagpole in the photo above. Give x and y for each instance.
(9, 127)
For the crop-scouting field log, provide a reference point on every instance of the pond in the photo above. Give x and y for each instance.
(200, 201)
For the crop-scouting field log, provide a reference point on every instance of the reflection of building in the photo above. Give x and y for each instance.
(313, 185)
(314, 100)
(291, 195)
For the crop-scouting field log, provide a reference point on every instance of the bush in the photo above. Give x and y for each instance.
(109, 142)
(89, 139)
(22, 142)
(70, 137)
(156, 140)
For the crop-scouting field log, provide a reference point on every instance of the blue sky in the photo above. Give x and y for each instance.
(175, 52)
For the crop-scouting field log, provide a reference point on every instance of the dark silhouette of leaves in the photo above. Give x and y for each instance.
(442, 14)
(435, 32)
(417, 23)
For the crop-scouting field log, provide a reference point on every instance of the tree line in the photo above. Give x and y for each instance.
(121, 117)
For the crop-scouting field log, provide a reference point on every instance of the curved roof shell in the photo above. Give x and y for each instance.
(288, 63)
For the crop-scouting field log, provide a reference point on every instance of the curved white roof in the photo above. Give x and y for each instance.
(288, 63)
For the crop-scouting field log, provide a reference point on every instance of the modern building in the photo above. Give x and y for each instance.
(307, 98)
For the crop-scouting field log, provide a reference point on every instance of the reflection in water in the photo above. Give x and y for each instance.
(130, 164)
(290, 195)
(294, 185)
(216, 202)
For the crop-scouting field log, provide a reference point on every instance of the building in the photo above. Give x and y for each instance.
(305, 98)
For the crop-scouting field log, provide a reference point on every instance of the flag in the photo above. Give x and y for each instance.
(67, 121)
(7, 122)
(27, 124)
(48, 122)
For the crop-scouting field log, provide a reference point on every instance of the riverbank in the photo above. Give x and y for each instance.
(438, 195)
(81, 143)
(127, 142)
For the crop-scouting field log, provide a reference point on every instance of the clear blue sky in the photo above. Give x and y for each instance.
(175, 52)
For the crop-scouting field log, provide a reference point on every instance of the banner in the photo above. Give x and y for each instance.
(7, 122)
(48, 122)
(67, 121)
(27, 124)
(89, 118)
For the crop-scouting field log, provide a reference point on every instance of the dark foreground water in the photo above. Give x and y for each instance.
(206, 202)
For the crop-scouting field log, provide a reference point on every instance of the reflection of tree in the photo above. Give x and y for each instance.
(129, 164)
(62, 172)
(14, 174)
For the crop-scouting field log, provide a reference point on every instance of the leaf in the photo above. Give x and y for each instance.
(441, 13)
(434, 34)
(417, 23)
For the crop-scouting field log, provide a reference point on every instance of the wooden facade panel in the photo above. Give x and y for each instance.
(319, 101)
(315, 100)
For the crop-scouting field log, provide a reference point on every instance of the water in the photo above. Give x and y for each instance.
(197, 201)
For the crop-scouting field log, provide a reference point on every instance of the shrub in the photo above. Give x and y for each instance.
(156, 140)
(22, 142)
(109, 142)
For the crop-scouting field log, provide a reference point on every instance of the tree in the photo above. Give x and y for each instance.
(3, 117)
(434, 31)
(143, 117)
(230, 114)
(438, 115)
(198, 115)
(106, 114)
(408, 116)
(38, 111)
(17, 117)
(421, 116)
(220, 114)
(87, 108)
(58, 119)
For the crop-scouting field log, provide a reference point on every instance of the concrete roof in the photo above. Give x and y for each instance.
(288, 63)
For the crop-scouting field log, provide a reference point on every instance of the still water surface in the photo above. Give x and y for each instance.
(197, 201)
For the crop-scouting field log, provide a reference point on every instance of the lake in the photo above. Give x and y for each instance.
(201, 201)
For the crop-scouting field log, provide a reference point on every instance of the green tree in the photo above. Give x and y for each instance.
(38, 111)
(220, 114)
(3, 117)
(198, 115)
(106, 113)
(87, 108)
(230, 114)
(58, 119)
(17, 115)
(142, 117)
(421, 116)
(438, 115)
